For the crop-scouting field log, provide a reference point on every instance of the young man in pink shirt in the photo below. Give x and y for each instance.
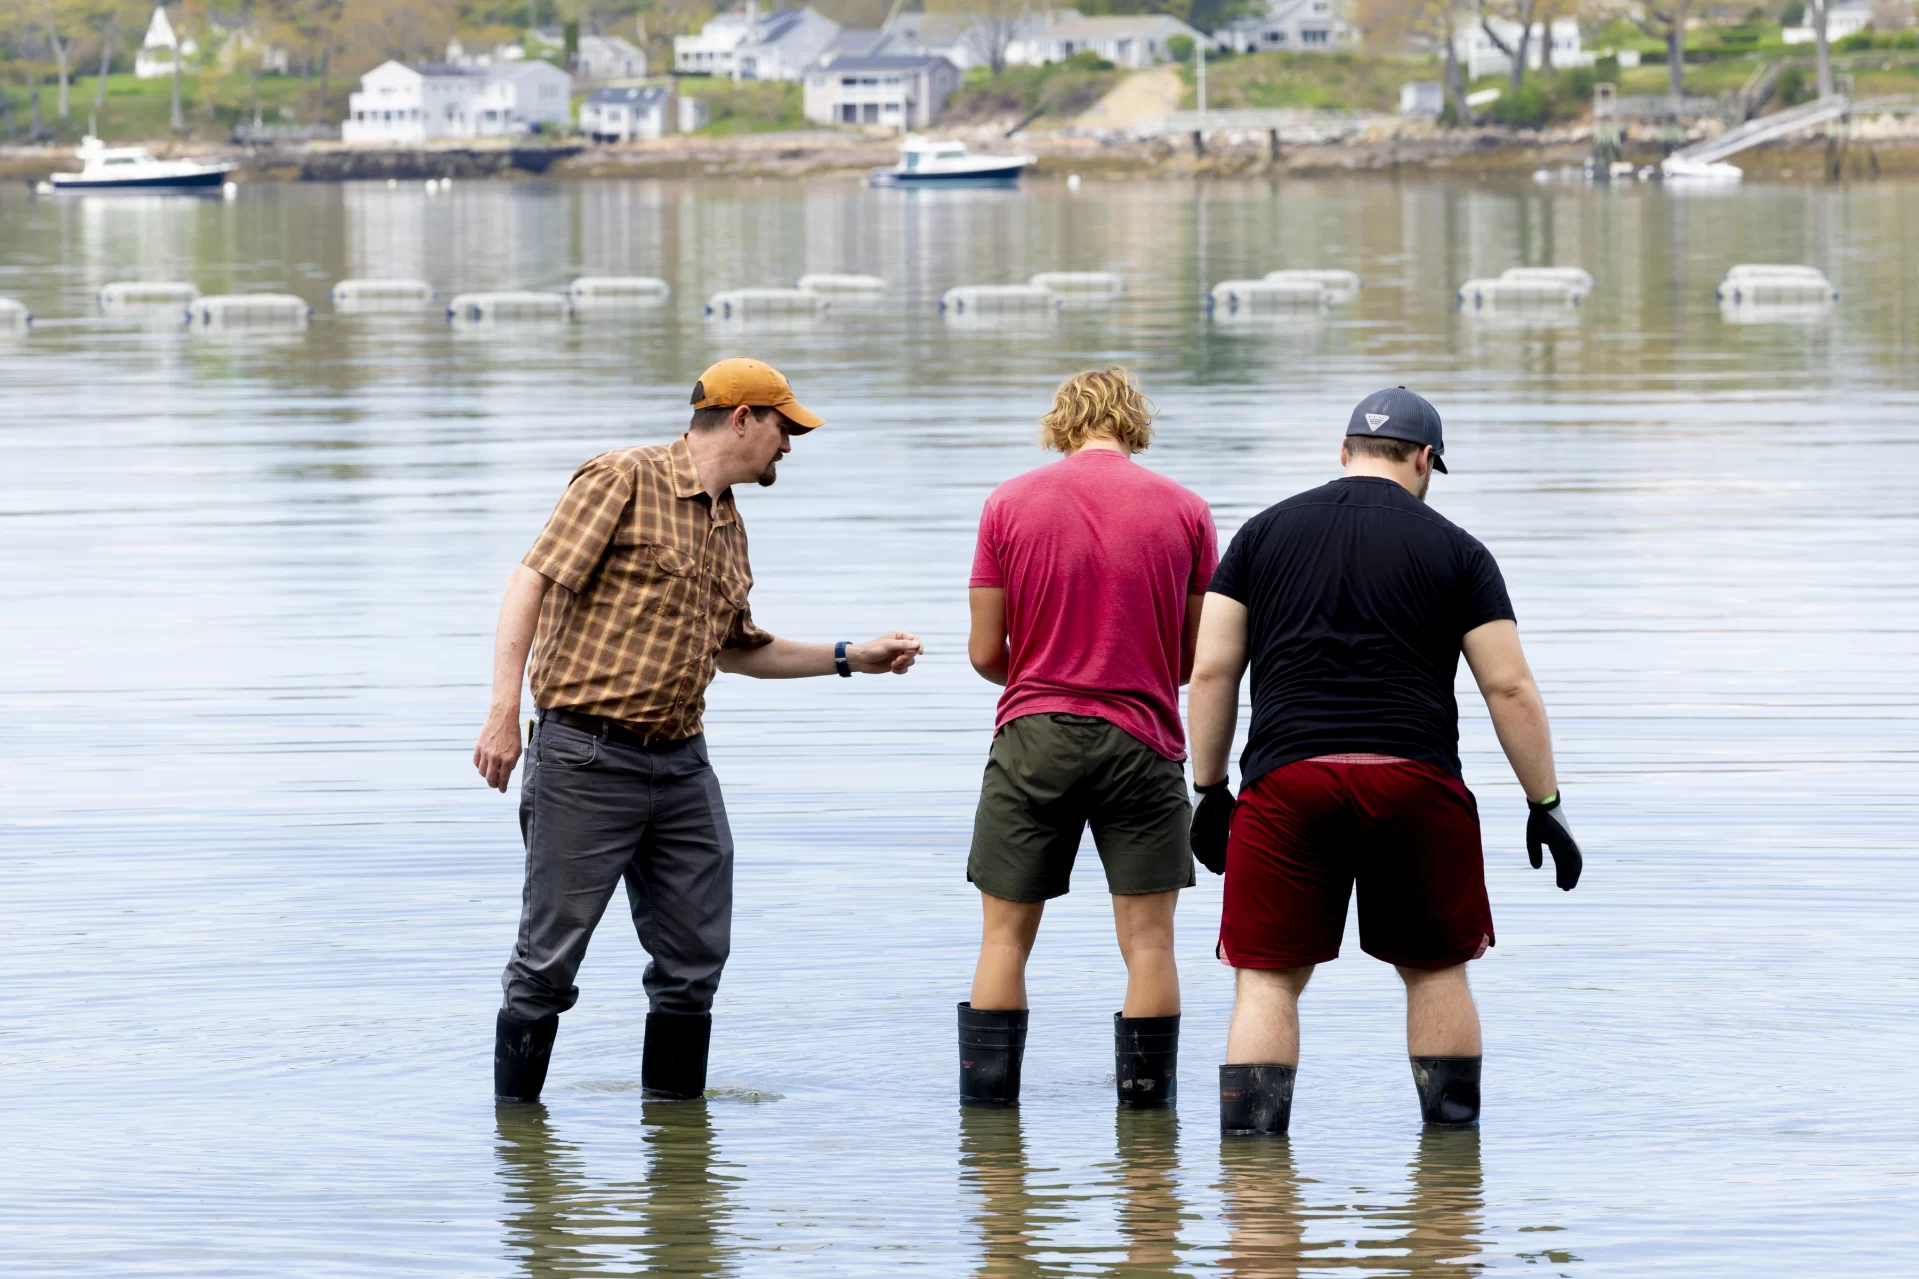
(1085, 596)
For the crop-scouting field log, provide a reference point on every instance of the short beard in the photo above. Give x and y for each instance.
(770, 474)
(1425, 482)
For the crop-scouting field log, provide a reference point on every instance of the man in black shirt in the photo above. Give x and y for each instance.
(1354, 602)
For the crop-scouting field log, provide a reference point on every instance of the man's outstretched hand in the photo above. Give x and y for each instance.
(1546, 824)
(499, 749)
(1212, 820)
(894, 651)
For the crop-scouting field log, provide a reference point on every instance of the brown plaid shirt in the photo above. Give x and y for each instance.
(650, 583)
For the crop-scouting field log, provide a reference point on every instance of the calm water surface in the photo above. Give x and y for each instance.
(254, 901)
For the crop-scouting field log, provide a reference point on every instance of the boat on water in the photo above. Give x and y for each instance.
(926, 163)
(135, 169)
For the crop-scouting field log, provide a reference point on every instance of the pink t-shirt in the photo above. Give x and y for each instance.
(1097, 555)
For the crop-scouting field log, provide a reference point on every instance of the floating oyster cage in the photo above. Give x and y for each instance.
(1234, 296)
(831, 283)
(149, 293)
(417, 291)
(619, 290)
(1496, 292)
(477, 308)
(252, 310)
(1343, 286)
(1079, 281)
(1576, 276)
(999, 299)
(747, 303)
(1784, 283)
(14, 314)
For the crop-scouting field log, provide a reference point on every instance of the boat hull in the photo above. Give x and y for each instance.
(207, 180)
(1004, 175)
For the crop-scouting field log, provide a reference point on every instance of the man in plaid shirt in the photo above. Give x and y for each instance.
(631, 598)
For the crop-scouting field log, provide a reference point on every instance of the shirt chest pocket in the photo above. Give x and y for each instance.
(665, 581)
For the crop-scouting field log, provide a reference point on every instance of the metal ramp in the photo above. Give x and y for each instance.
(1765, 129)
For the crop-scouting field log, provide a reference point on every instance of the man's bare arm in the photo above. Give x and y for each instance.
(894, 651)
(1212, 703)
(1189, 639)
(986, 643)
(1519, 713)
(499, 747)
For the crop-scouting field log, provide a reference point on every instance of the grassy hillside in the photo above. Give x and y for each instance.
(138, 110)
(1058, 91)
(1338, 81)
(751, 106)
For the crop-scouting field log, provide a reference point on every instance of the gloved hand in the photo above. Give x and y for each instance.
(1212, 818)
(1546, 824)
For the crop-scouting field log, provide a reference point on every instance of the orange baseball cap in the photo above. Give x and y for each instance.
(740, 380)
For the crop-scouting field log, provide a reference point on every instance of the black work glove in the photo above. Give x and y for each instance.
(1546, 824)
(1212, 818)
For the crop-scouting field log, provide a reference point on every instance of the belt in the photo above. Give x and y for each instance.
(611, 730)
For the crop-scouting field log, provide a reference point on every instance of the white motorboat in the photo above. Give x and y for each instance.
(924, 162)
(135, 169)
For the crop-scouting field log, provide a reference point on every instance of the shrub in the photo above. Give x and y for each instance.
(1795, 86)
(1528, 106)
(1087, 60)
(1794, 14)
(1181, 48)
(1607, 69)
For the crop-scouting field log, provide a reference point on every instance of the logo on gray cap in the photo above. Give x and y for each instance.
(1376, 420)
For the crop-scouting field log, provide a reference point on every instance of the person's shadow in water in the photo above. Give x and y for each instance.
(1435, 1231)
(561, 1222)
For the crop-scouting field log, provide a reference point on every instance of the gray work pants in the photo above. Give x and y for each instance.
(594, 812)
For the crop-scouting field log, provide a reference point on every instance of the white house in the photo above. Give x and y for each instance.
(160, 48)
(1480, 56)
(603, 58)
(622, 114)
(906, 92)
(1291, 26)
(401, 103)
(1131, 40)
(1842, 20)
(777, 46)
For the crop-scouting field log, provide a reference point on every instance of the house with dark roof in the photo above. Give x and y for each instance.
(623, 114)
(740, 43)
(903, 92)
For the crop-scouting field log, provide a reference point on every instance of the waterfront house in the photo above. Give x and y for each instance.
(904, 92)
(160, 47)
(398, 102)
(232, 37)
(743, 44)
(957, 37)
(1291, 26)
(1844, 18)
(1133, 41)
(1481, 56)
(622, 114)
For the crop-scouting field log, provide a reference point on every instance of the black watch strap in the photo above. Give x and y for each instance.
(839, 660)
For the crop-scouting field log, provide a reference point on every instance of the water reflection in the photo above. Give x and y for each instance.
(1276, 1232)
(559, 1220)
(1150, 1210)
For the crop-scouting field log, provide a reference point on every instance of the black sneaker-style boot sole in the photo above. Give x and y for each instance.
(522, 1050)
(673, 1063)
(992, 1043)
(1448, 1090)
(1146, 1059)
(1255, 1100)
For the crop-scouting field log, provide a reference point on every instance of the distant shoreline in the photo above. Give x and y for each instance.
(1399, 150)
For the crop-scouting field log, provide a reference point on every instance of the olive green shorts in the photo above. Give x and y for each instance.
(1047, 777)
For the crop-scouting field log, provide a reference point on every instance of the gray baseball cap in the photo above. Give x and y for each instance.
(1398, 414)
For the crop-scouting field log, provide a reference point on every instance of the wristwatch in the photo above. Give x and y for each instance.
(839, 660)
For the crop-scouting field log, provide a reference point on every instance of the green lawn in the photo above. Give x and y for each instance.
(139, 110)
(1058, 91)
(751, 106)
(1336, 81)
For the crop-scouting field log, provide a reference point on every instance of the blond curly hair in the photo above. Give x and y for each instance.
(1093, 404)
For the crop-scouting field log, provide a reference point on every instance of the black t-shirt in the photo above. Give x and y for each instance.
(1357, 596)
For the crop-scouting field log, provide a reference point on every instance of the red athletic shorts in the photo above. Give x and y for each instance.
(1407, 832)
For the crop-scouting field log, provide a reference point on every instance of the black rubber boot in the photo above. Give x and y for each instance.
(673, 1064)
(1146, 1059)
(521, 1051)
(1448, 1090)
(1255, 1100)
(991, 1044)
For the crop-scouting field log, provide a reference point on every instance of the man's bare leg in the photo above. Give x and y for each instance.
(1144, 923)
(1441, 1020)
(1265, 1025)
(1006, 940)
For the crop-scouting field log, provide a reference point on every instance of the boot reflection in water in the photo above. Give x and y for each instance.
(993, 1166)
(1444, 1218)
(1150, 1211)
(558, 1223)
(1263, 1209)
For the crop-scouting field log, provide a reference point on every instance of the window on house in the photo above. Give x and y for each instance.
(849, 114)
(870, 113)
(849, 80)
(1312, 37)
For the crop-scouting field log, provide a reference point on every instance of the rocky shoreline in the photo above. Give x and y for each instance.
(1399, 149)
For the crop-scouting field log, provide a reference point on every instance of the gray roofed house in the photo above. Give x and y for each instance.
(622, 114)
(1291, 26)
(901, 91)
(775, 46)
